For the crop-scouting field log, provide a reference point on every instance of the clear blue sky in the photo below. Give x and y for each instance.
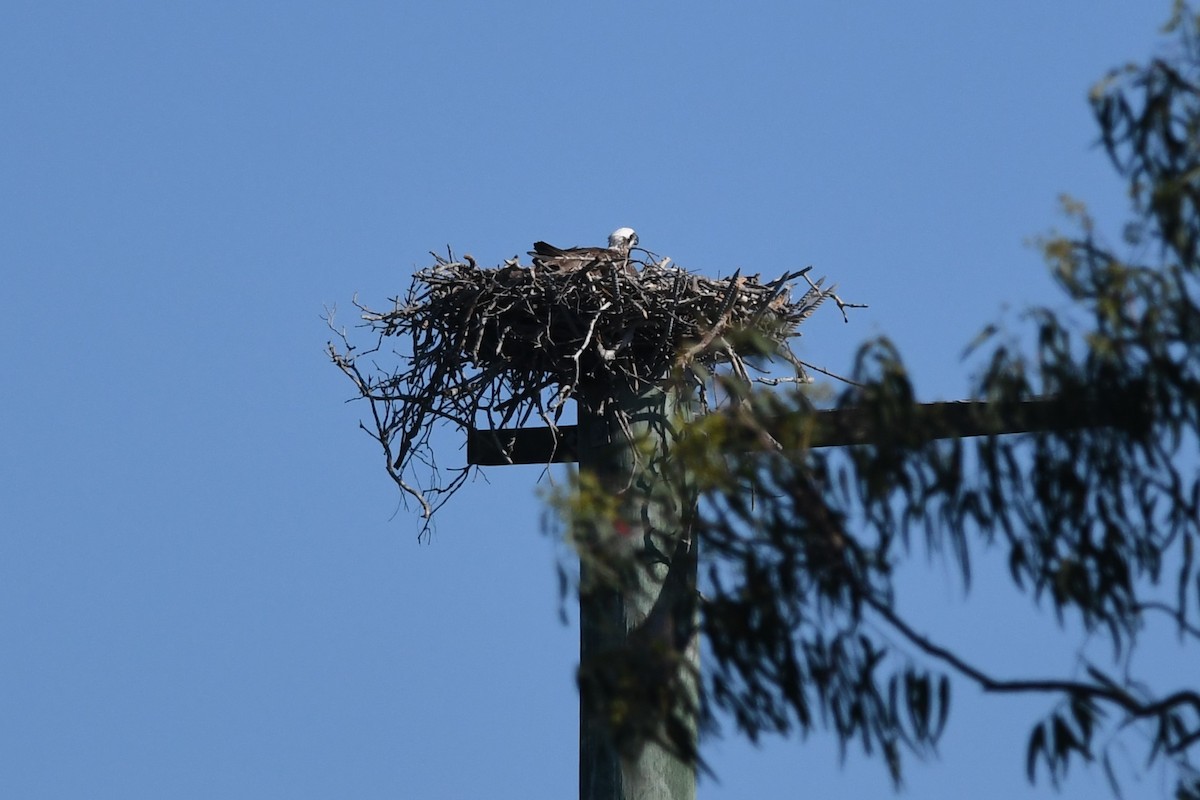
(204, 589)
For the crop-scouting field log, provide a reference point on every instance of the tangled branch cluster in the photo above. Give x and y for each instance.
(494, 348)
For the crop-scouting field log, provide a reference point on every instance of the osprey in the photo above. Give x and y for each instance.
(570, 259)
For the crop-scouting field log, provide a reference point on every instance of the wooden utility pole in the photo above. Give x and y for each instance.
(610, 450)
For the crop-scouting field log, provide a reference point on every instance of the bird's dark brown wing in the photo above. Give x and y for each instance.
(544, 249)
(550, 251)
(571, 258)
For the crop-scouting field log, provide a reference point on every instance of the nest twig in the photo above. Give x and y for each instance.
(496, 347)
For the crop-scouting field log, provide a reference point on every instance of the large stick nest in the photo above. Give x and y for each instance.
(493, 348)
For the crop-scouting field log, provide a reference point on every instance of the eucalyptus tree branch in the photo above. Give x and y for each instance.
(1102, 689)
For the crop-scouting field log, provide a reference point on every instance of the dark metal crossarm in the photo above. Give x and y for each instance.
(491, 448)
(830, 428)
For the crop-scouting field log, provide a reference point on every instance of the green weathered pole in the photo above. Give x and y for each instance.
(607, 615)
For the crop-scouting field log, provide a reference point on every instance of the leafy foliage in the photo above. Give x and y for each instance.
(1099, 518)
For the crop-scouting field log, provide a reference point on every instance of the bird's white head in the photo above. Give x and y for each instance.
(624, 239)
